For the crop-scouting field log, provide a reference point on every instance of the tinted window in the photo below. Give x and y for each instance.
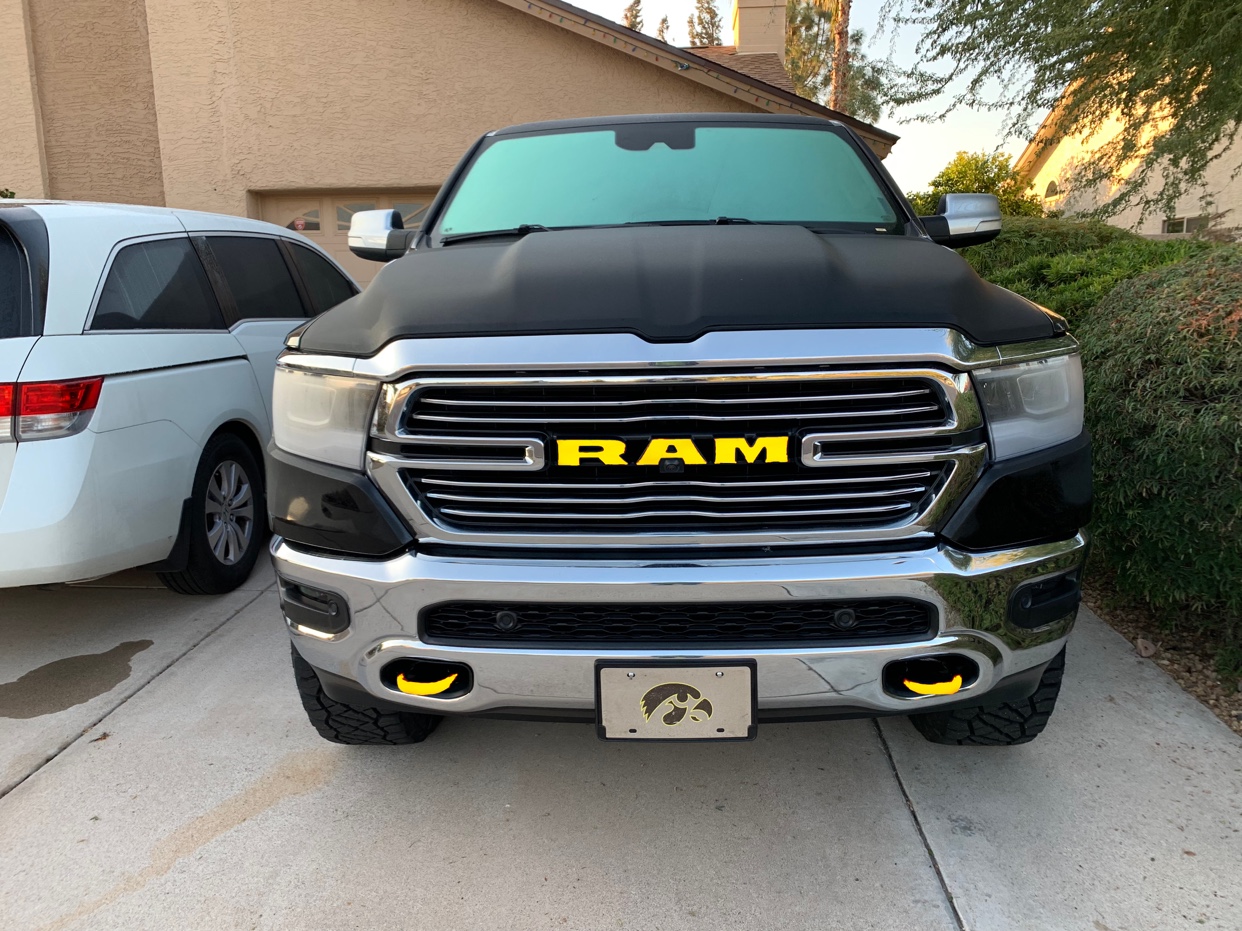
(256, 273)
(669, 172)
(13, 283)
(327, 286)
(157, 285)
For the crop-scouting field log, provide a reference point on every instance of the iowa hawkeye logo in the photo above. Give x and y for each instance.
(728, 450)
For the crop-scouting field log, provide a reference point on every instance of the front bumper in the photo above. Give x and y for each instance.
(971, 592)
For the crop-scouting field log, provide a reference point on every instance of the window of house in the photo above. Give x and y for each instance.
(1185, 224)
(157, 285)
(345, 212)
(307, 220)
(412, 213)
(1052, 190)
(326, 285)
(257, 276)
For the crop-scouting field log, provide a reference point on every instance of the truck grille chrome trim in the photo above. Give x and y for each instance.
(947, 402)
(866, 497)
(448, 457)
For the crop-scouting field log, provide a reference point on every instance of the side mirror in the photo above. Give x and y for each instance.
(964, 220)
(379, 235)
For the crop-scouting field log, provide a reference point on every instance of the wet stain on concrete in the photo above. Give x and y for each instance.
(67, 682)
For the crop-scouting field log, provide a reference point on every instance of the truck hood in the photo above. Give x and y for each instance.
(672, 284)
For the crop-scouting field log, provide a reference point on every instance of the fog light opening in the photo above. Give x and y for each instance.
(314, 610)
(428, 678)
(926, 676)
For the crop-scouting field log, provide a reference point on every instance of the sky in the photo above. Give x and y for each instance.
(924, 148)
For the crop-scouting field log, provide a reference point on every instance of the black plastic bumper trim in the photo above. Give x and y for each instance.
(1042, 497)
(326, 508)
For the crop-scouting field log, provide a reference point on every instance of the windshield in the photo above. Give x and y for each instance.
(667, 173)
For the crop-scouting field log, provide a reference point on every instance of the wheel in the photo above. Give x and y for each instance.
(347, 724)
(1003, 725)
(228, 520)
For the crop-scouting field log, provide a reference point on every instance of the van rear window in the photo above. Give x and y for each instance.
(14, 285)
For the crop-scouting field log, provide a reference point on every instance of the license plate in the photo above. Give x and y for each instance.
(652, 701)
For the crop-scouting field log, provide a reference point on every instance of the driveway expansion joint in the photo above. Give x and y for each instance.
(958, 920)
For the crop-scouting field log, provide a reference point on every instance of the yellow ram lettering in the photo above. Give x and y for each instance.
(572, 452)
(684, 450)
(774, 449)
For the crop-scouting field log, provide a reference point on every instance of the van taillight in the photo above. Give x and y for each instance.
(6, 412)
(47, 409)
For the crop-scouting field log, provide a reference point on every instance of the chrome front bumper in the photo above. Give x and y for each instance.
(970, 590)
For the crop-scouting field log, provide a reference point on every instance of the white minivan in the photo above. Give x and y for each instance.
(137, 346)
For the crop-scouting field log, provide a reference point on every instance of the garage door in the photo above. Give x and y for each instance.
(325, 219)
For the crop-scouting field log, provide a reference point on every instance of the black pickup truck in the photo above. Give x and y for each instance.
(676, 425)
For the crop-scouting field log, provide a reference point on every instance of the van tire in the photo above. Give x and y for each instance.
(348, 724)
(206, 572)
(1002, 725)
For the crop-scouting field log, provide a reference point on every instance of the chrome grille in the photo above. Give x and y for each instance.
(843, 496)
(472, 459)
(664, 406)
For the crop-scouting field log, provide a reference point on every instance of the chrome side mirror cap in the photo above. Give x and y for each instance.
(379, 235)
(964, 220)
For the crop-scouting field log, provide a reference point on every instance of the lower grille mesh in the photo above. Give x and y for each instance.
(634, 625)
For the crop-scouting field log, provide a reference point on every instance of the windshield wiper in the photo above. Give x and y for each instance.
(494, 234)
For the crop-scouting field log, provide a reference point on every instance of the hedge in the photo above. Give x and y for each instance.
(1163, 356)
(1159, 324)
(1070, 266)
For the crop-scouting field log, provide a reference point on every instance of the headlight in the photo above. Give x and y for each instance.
(322, 417)
(1031, 405)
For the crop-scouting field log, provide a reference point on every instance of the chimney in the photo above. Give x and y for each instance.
(759, 26)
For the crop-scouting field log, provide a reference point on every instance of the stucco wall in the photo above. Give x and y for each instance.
(21, 156)
(267, 95)
(97, 105)
(1224, 190)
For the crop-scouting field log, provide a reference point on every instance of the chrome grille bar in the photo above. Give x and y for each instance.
(644, 499)
(623, 486)
(716, 418)
(875, 395)
(641, 515)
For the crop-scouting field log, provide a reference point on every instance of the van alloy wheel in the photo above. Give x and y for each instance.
(225, 519)
(230, 512)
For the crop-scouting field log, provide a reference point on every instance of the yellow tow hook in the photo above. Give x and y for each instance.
(934, 688)
(425, 688)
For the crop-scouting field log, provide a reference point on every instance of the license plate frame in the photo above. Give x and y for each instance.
(651, 671)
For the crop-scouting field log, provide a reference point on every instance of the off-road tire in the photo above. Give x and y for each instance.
(204, 573)
(1003, 725)
(347, 724)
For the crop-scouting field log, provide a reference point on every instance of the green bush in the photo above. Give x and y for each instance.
(1159, 324)
(1069, 266)
(1163, 357)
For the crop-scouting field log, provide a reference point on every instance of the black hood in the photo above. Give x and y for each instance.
(672, 284)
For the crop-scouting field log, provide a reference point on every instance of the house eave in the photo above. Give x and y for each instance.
(693, 67)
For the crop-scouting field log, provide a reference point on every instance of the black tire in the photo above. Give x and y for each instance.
(347, 724)
(206, 572)
(1003, 725)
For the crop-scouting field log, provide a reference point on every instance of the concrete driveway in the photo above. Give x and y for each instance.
(158, 773)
